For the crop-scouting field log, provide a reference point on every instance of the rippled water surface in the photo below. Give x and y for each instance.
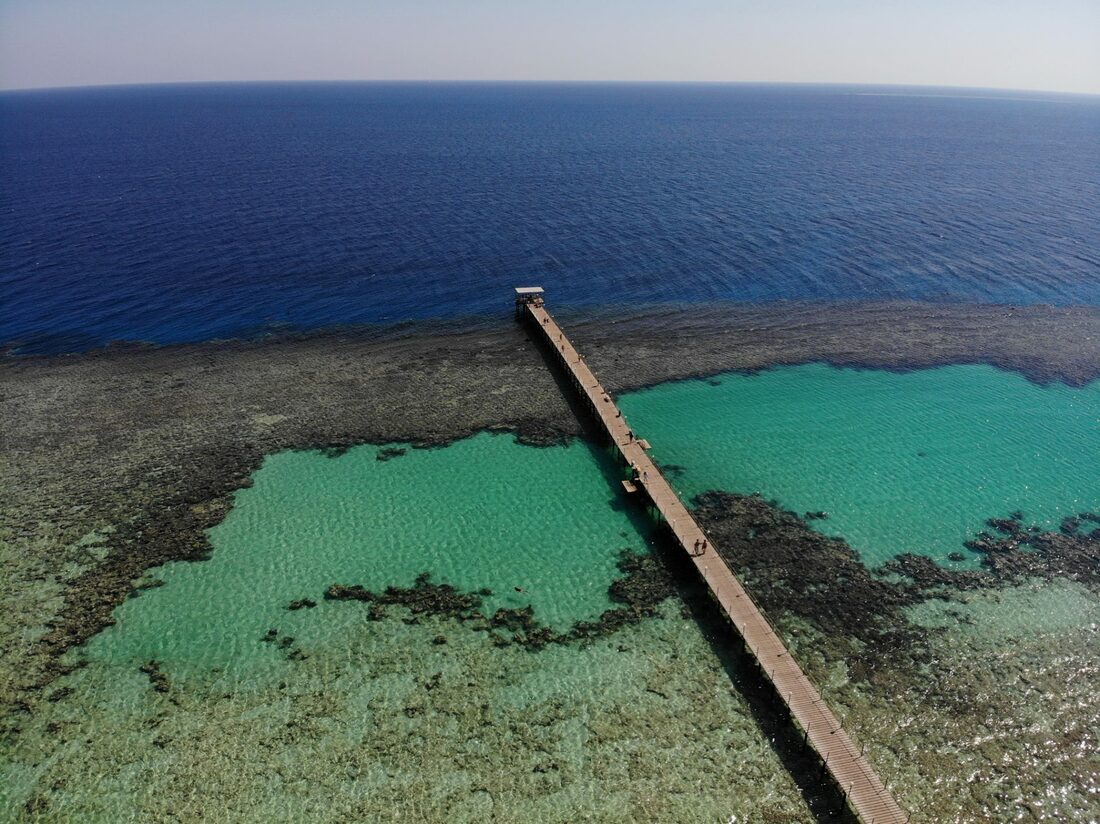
(900, 462)
(188, 213)
(538, 527)
(410, 717)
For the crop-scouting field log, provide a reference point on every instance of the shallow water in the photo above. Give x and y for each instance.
(482, 512)
(911, 462)
(399, 719)
(391, 726)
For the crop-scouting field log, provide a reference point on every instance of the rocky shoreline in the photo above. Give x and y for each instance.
(118, 460)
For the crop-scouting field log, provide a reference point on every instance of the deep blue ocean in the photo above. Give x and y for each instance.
(180, 213)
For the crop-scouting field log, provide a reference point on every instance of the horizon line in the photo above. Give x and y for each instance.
(542, 82)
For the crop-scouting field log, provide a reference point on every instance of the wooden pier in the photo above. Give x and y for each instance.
(863, 792)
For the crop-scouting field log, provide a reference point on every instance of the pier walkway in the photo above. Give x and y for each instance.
(864, 793)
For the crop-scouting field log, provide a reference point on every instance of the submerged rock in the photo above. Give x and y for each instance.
(790, 568)
(645, 583)
(157, 678)
(60, 694)
(1072, 525)
(339, 592)
(423, 597)
(520, 619)
(1030, 552)
(144, 586)
(927, 576)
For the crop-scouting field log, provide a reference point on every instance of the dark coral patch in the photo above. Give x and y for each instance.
(644, 584)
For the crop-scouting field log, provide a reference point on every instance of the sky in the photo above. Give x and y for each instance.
(1017, 44)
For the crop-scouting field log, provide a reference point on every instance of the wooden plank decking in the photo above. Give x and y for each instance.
(861, 787)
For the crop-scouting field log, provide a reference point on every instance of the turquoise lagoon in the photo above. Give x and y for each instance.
(404, 719)
(538, 527)
(901, 462)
